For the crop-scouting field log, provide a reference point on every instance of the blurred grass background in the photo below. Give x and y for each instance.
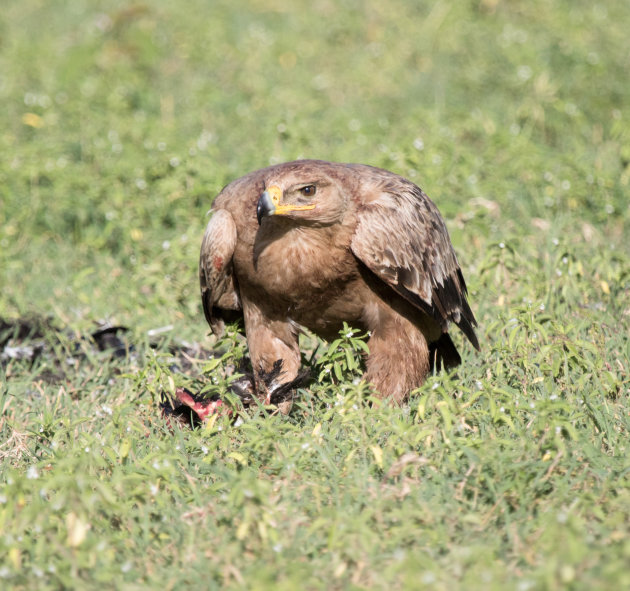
(121, 121)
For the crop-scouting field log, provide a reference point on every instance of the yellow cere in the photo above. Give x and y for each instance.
(276, 194)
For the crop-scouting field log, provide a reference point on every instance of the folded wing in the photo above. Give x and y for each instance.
(402, 238)
(219, 289)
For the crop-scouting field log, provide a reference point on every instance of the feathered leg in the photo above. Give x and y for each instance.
(273, 349)
(399, 357)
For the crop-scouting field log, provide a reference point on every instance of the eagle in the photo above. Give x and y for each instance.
(315, 244)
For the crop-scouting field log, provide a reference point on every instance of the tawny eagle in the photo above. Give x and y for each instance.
(314, 244)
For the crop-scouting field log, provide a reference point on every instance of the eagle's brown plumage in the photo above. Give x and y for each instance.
(312, 243)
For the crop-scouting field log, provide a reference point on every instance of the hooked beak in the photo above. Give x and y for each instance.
(269, 204)
(265, 207)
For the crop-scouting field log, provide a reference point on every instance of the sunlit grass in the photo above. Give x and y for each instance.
(121, 122)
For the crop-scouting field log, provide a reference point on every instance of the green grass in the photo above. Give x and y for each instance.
(119, 123)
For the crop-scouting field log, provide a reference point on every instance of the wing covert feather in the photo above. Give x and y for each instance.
(219, 290)
(402, 238)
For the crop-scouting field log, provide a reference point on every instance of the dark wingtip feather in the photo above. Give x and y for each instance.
(207, 305)
(467, 323)
(466, 327)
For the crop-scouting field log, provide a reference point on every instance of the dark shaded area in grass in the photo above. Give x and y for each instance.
(41, 340)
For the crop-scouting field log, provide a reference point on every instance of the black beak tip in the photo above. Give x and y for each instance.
(264, 207)
(260, 214)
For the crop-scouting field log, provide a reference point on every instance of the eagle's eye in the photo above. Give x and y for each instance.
(308, 191)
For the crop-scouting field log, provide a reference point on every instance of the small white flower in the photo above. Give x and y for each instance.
(399, 554)
(428, 578)
(32, 473)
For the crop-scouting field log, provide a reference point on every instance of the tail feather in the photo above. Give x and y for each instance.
(443, 354)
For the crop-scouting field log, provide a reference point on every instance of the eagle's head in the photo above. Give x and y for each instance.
(310, 198)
